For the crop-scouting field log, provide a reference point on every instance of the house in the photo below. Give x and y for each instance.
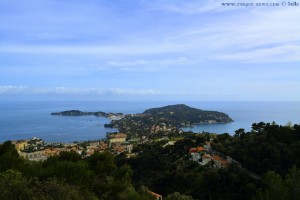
(117, 138)
(195, 156)
(102, 146)
(206, 158)
(193, 150)
(155, 195)
(200, 149)
(220, 162)
(119, 150)
(20, 144)
(35, 156)
(34, 144)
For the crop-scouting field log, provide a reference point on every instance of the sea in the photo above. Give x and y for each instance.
(27, 119)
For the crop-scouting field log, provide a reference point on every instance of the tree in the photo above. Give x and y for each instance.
(292, 183)
(14, 186)
(239, 133)
(178, 196)
(9, 157)
(278, 188)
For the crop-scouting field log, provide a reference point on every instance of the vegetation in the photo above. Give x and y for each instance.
(268, 147)
(67, 176)
(169, 171)
(180, 113)
(81, 113)
(166, 120)
(269, 150)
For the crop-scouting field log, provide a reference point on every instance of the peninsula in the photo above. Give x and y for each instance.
(81, 113)
(163, 120)
(166, 120)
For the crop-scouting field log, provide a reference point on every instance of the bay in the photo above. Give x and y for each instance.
(27, 119)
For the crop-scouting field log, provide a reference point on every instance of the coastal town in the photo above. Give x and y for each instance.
(154, 125)
(152, 135)
(38, 150)
(151, 162)
(35, 149)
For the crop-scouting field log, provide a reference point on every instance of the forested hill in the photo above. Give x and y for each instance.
(166, 120)
(183, 113)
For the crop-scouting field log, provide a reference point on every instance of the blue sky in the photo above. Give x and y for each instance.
(152, 50)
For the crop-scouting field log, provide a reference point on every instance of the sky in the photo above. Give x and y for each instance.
(149, 50)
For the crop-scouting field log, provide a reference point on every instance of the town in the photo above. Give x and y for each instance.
(36, 149)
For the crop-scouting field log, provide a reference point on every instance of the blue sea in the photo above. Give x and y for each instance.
(27, 119)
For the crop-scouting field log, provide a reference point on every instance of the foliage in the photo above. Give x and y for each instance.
(168, 119)
(178, 196)
(15, 186)
(168, 170)
(9, 157)
(66, 176)
(268, 147)
(278, 188)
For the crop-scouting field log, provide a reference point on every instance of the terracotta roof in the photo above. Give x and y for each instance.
(206, 156)
(193, 150)
(200, 149)
(120, 149)
(220, 160)
(154, 194)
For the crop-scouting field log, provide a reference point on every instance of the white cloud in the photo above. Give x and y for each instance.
(171, 61)
(288, 53)
(256, 35)
(137, 49)
(128, 63)
(231, 36)
(7, 90)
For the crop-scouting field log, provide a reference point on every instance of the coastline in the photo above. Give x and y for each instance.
(26, 119)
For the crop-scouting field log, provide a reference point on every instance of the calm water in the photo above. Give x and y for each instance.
(22, 120)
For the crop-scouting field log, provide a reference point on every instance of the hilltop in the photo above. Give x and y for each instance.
(181, 113)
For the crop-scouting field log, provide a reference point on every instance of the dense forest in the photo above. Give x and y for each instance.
(182, 113)
(267, 147)
(269, 150)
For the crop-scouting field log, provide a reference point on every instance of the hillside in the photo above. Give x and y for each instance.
(181, 113)
(167, 119)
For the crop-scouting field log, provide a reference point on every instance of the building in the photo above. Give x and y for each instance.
(155, 195)
(20, 144)
(34, 144)
(220, 162)
(117, 138)
(34, 156)
(206, 158)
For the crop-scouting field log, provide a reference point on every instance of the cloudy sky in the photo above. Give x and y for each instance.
(158, 49)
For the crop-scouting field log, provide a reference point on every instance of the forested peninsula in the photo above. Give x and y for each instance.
(81, 113)
(179, 115)
(167, 119)
(164, 120)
